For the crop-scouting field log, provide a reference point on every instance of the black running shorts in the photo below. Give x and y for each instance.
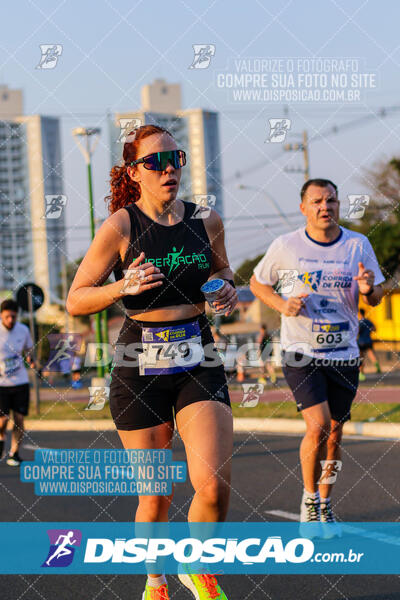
(364, 347)
(313, 384)
(140, 401)
(14, 398)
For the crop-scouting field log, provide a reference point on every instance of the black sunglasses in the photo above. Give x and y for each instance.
(158, 161)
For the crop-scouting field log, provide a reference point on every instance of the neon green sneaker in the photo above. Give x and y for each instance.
(152, 593)
(203, 586)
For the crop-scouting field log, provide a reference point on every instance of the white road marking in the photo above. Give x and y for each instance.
(373, 535)
(286, 515)
(33, 447)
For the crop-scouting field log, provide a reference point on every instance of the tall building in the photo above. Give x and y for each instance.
(196, 131)
(11, 102)
(31, 243)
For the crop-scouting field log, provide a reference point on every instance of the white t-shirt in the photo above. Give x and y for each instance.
(328, 324)
(12, 343)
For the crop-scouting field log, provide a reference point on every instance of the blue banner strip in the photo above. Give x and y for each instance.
(230, 548)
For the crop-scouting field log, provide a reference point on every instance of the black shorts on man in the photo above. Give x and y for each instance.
(14, 398)
(335, 382)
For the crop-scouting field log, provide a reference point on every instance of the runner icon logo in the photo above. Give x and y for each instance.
(54, 205)
(357, 205)
(98, 397)
(202, 56)
(63, 346)
(278, 130)
(133, 279)
(286, 280)
(251, 394)
(330, 470)
(127, 129)
(62, 547)
(204, 204)
(311, 278)
(164, 335)
(50, 55)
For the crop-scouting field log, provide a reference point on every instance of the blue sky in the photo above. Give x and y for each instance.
(110, 49)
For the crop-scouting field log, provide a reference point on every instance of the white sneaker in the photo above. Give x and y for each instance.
(14, 460)
(330, 527)
(310, 526)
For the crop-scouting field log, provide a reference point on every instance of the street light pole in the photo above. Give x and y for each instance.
(306, 156)
(89, 134)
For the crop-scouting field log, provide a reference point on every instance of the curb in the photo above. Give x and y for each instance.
(381, 430)
(70, 425)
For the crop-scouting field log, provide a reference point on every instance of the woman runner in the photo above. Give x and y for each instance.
(173, 255)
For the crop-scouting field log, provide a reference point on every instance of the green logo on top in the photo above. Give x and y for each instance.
(175, 258)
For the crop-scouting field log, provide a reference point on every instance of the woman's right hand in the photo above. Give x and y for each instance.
(146, 277)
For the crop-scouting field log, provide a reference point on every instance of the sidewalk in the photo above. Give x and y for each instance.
(385, 387)
(284, 426)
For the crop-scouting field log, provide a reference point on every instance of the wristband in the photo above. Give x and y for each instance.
(371, 291)
(231, 282)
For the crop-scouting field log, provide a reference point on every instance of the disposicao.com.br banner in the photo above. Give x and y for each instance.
(235, 548)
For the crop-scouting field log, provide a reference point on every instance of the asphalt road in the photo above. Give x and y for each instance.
(265, 478)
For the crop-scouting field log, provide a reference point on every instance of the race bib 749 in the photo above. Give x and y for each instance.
(171, 349)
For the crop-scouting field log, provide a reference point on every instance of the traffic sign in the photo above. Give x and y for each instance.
(37, 296)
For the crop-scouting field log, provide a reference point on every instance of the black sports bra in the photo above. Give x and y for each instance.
(181, 251)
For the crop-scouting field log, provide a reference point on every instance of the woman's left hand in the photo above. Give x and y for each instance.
(226, 299)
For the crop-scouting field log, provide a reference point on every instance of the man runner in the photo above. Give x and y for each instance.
(332, 266)
(15, 338)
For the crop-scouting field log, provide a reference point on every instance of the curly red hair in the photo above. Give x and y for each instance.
(123, 189)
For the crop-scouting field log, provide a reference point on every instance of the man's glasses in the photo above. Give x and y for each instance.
(158, 161)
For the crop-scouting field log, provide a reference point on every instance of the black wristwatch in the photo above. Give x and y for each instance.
(231, 282)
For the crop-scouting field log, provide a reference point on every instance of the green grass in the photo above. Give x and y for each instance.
(62, 410)
(383, 413)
